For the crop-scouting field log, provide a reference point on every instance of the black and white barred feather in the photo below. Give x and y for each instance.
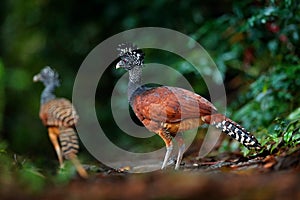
(238, 133)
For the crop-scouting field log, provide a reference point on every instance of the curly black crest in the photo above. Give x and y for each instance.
(130, 56)
(123, 48)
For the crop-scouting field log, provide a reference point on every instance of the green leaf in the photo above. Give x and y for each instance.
(274, 146)
(287, 136)
(294, 115)
(296, 136)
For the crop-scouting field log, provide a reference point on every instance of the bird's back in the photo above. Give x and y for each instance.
(170, 104)
(58, 112)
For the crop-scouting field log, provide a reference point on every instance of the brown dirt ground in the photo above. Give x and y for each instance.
(232, 177)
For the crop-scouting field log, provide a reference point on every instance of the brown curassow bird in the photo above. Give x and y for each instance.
(60, 117)
(169, 111)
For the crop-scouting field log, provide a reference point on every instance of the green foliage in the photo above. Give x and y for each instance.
(6, 174)
(256, 36)
(280, 19)
(65, 174)
(21, 172)
(260, 42)
(31, 178)
(286, 135)
(272, 108)
(291, 134)
(272, 95)
(15, 170)
(2, 94)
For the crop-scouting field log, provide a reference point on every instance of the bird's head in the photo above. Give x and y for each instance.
(47, 76)
(130, 56)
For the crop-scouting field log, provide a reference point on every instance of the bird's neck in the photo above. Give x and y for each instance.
(135, 80)
(48, 93)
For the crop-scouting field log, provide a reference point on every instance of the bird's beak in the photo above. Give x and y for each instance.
(36, 78)
(118, 65)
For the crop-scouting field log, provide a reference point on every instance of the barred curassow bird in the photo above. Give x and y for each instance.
(60, 117)
(169, 111)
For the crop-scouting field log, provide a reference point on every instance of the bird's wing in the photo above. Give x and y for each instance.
(58, 112)
(170, 104)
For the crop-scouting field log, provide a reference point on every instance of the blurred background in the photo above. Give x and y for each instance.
(253, 42)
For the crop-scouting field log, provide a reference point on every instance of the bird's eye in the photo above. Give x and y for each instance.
(125, 60)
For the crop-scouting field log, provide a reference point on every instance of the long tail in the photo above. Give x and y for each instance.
(234, 130)
(69, 146)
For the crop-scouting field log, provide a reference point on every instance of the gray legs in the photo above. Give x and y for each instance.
(167, 156)
(181, 149)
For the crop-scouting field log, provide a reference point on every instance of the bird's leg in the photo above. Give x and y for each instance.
(169, 146)
(167, 155)
(53, 135)
(181, 149)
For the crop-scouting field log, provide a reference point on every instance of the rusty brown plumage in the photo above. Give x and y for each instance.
(169, 111)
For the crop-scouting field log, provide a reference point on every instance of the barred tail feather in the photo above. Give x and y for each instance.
(69, 146)
(69, 142)
(235, 131)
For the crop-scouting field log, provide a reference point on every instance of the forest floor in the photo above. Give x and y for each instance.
(226, 176)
